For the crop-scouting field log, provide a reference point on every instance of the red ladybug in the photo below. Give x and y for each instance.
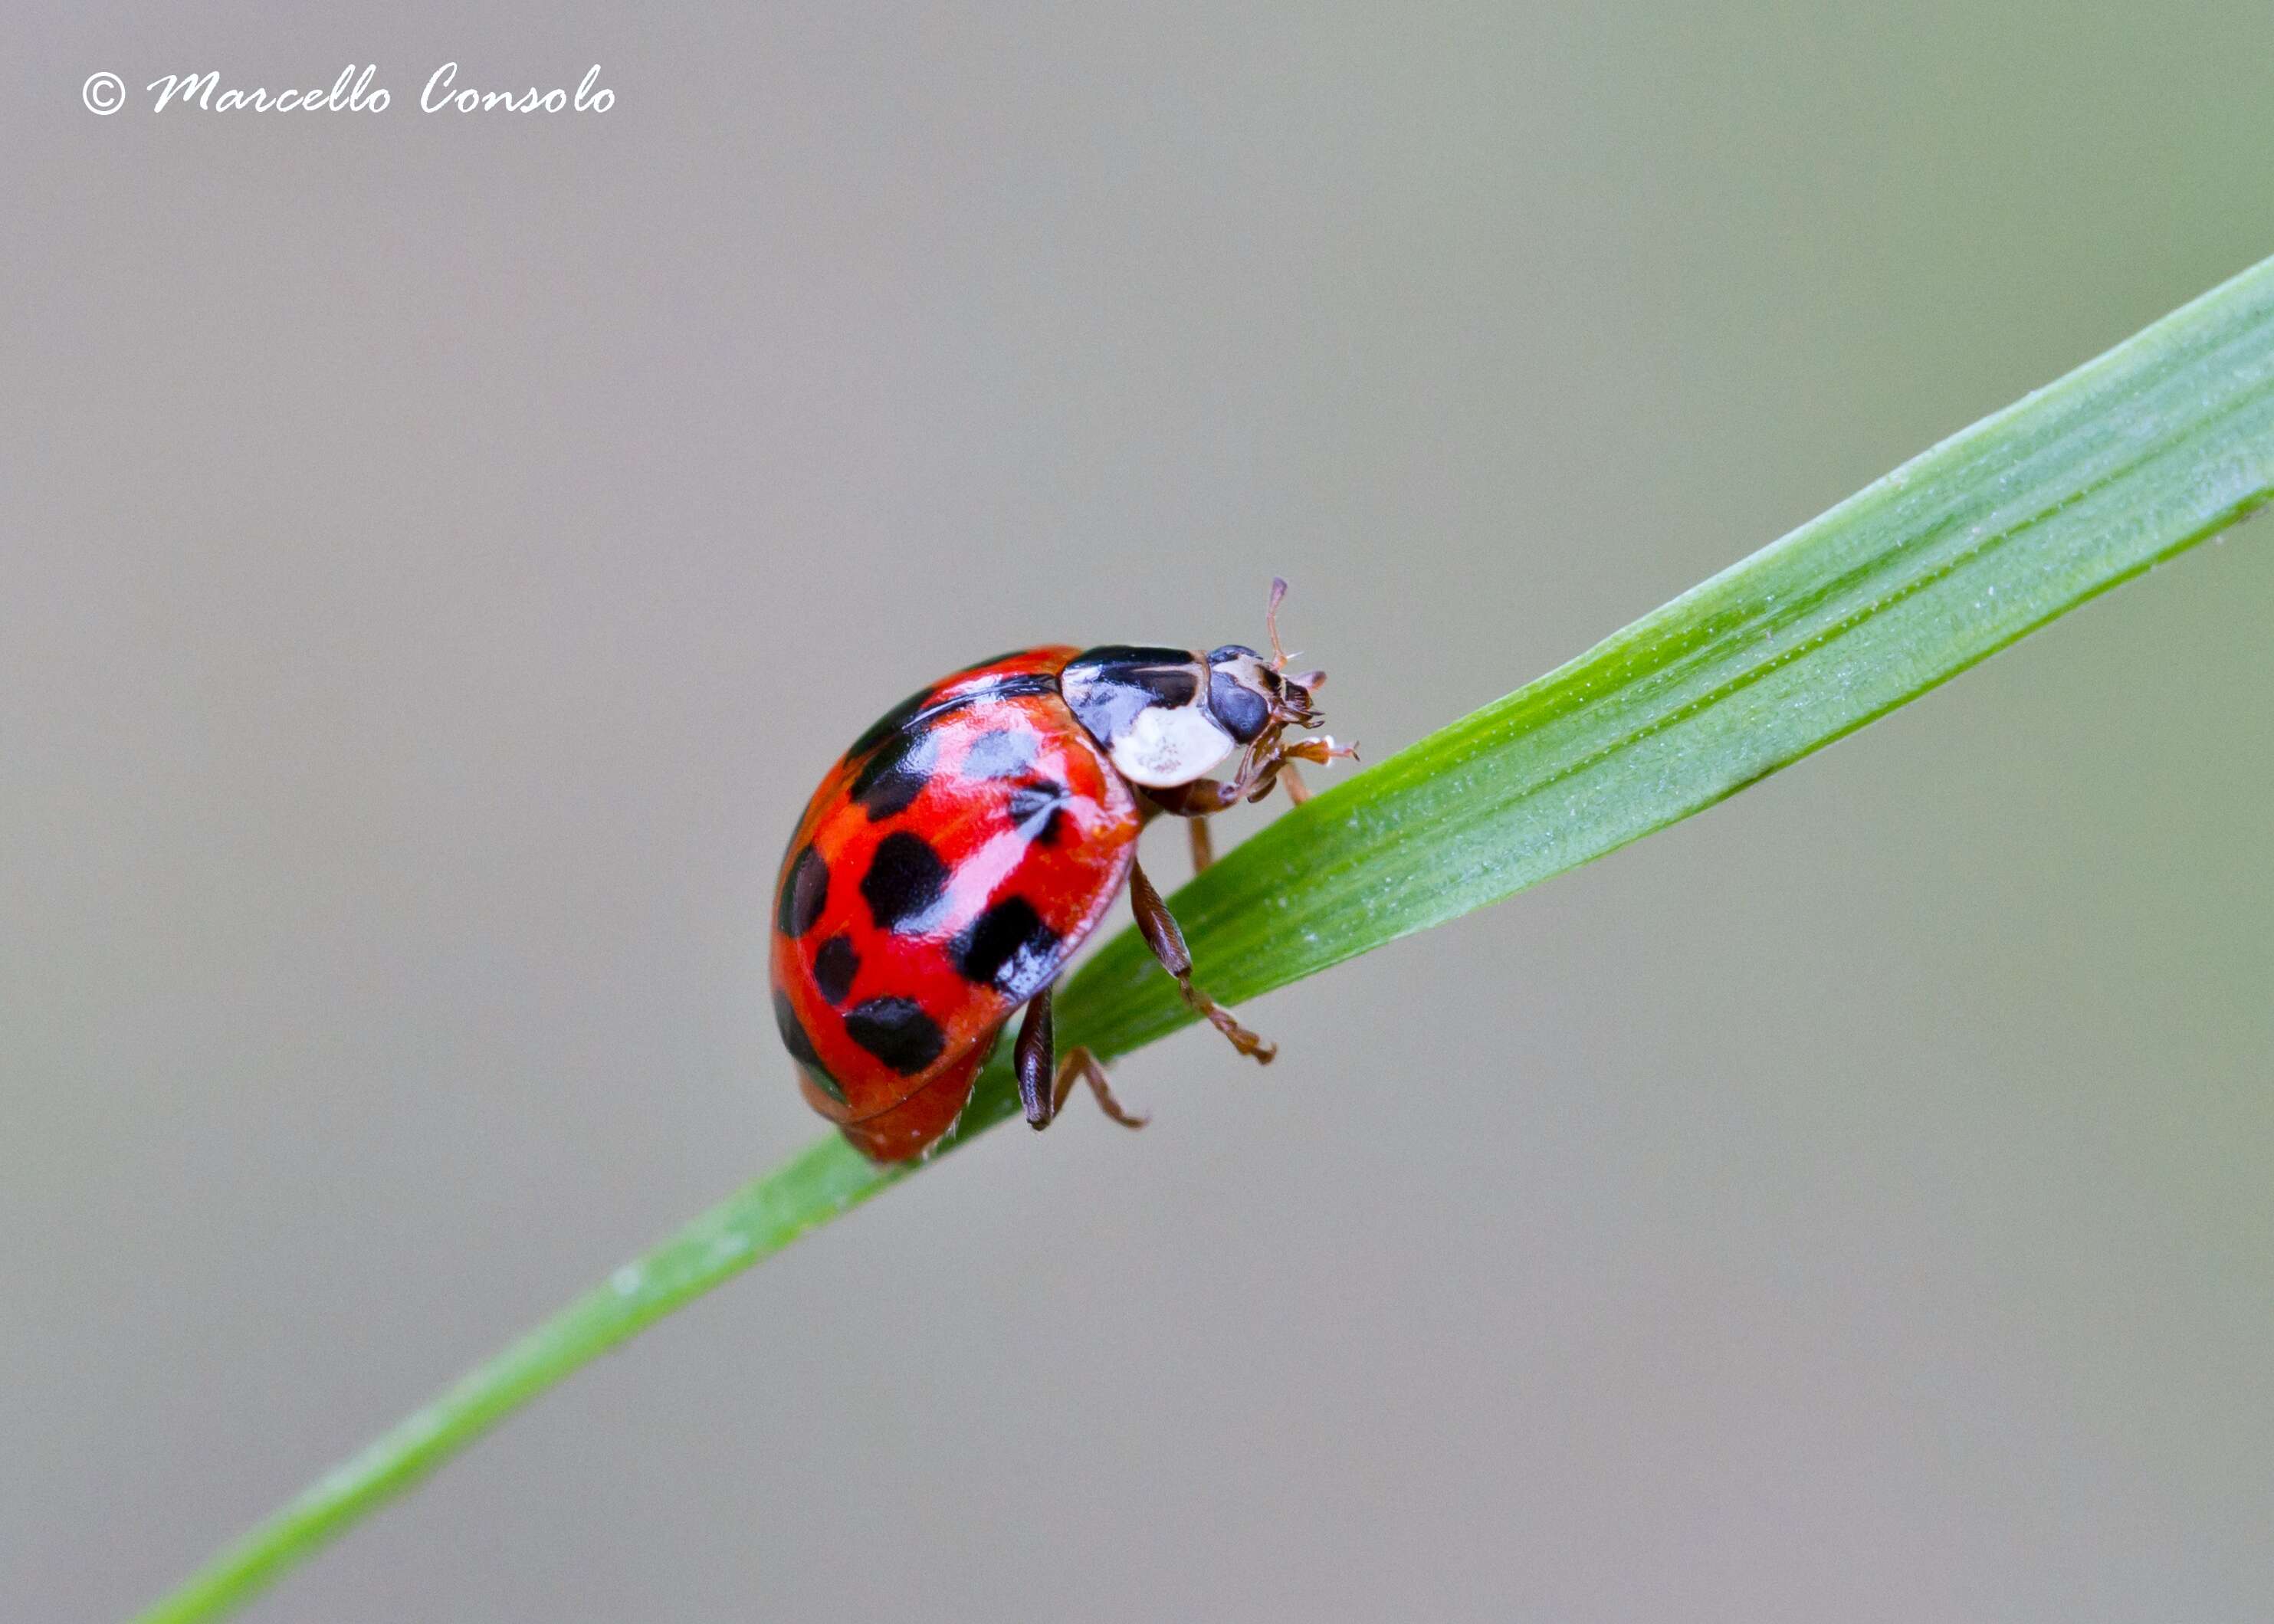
(959, 852)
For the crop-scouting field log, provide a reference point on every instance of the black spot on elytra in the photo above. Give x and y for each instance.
(1038, 810)
(885, 725)
(904, 883)
(800, 1048)
(897, 1032)
(999, 753)
(793, 1031)
(896, 774)
(834, 966)
(804, 890)
(1007, 948)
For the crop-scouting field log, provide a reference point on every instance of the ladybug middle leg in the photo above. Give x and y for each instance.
(1163, 935)
(1044, 1084)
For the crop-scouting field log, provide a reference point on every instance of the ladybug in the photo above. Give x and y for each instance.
(954, 859)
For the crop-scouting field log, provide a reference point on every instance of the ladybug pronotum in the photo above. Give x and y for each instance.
(959, 852)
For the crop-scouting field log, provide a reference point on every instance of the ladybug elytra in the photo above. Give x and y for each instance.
(954, 858)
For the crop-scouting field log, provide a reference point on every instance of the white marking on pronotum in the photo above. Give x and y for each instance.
(1166, 745)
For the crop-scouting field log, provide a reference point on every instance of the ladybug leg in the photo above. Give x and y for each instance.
(1031, 1060)
(1160, 931)
(1081, 1062)
(1041, 1094)
(1203, 847)
(1255, 779)
(1197, 799)
(1279, 762)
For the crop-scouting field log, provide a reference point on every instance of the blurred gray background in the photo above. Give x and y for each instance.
(439, 555)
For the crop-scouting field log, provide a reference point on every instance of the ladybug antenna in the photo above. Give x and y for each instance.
(1271, 623)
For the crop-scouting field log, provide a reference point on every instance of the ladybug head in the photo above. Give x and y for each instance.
(1251, 696)
(1169, 716)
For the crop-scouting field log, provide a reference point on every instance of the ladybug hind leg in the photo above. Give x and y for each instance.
(1044, 1084)
(1163, 935)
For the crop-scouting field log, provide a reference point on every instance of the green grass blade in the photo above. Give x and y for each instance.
(2020, 518)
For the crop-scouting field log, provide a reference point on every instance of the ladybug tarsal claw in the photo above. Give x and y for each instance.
(1260, 1049)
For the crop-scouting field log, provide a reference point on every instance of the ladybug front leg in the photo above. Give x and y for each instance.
(1044, 1094)
(1278, 763)
(1161, 933)
(1203, 797)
